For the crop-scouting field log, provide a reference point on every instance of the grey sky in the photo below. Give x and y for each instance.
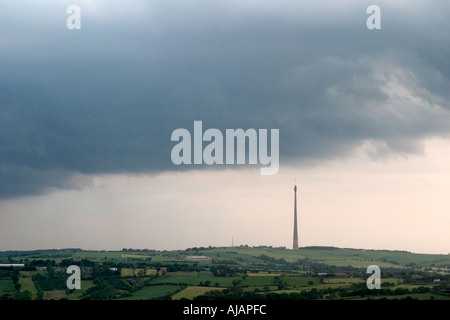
(105, 99)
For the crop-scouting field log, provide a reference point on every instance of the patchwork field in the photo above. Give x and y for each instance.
(263, 274)
(139, 272)
(153, 292)
(191, 292)
(418, 296)
(240, 272)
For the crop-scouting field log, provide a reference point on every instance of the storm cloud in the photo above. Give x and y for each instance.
(105, 99)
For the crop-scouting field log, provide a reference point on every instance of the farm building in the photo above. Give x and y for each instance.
(12, 265)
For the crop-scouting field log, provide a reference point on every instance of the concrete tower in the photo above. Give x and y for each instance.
(295, 245)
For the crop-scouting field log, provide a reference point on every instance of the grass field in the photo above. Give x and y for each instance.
(191, 292)
(54, 294)
(261, 269)
(390, 280)
(150, 272)
(127, 272)
(183, 274)
(332, 285)
(130, 272)
(412, 286)
(196, 280)
(98, 255)
(257, 281)
(338, 257)
(300, 281)
(419, 296)
(6, 286)
(347, 280)
(316, 286)
(260, 289)
(263, 274)
(245, 257)
(396, 281)
(153, 292)
(135, 256)
(166, 259)
(359, 263)
(85, 285)
(28, 284)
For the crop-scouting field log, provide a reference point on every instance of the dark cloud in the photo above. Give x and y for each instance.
(106, 98)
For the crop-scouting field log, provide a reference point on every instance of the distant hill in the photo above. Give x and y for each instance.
(355, 249)
(236, 273)
(40, 251)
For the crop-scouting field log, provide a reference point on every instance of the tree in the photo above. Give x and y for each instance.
(50, 269)
(236, 282)
(23, 295)
(141, 273)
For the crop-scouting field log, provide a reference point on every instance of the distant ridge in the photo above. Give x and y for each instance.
(336, 248)
(40, 251)
(65, 250)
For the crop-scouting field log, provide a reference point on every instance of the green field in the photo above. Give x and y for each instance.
(54, 294)
(192, 291)
(165, 259)
(6, 286)
(339, 257)
(300, 281)
(153, 292)
(296, 281)
(140, 272)
(28, 284)
(85, 285)
(263, 274)
(150, 272)
(257, 281)
(247, 256)
(260, 289)
(183, 274)
(99, 255)
(359, 263)
(411, 286)
(419, 296)
(246, 272)
(196, 280)
(127, 272)
(350, 280)
(134, 256)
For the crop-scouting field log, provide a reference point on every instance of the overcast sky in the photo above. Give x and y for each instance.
(86, 118)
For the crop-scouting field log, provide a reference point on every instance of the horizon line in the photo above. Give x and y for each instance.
(209, 247)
